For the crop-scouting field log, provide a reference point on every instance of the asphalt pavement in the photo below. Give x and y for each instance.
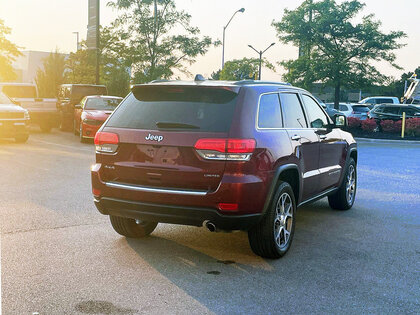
(60, 256)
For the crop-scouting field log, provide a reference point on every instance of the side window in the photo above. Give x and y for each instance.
(391, 110)
(317, 118)
(343, 108)
(408, 111)
(269, 115)
(292, 111)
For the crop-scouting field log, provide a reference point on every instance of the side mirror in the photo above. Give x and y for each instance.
(340, 121)
(77, 106)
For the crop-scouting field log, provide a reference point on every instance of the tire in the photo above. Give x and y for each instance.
(82, 139)
(21, 138)
(45, 127)
(64, 124)
(266, 237)
(343, 198)
(129, 228)
(75, 131)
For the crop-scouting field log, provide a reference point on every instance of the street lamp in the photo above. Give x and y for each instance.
(261, 53)
(242, 10)
(77, 38)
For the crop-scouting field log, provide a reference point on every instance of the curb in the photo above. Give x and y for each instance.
(386, 141)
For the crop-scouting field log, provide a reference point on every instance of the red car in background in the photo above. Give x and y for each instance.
(91, 113)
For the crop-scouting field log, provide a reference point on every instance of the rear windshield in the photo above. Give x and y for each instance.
(20, 91)
(176, 108)
(78, 92)
(360, 109)
(101, 103)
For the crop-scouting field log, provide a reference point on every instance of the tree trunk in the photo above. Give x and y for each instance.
(337, 96)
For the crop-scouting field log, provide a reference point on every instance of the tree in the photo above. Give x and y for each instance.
(51, 76)
(80, 66)
(337, 52)
(243, 69)
(8, 54)
(148, 43)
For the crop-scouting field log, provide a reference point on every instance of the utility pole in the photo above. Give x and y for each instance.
(242, 10)
(260, 53)
(77, 38)
(98, 50)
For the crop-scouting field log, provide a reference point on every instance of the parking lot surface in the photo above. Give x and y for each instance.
(60, 256)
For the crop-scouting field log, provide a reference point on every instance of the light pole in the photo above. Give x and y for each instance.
(242, 10)
(261, 52)
(77, 38)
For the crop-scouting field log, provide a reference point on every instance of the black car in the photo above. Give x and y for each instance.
(70, 95)
(394, 112)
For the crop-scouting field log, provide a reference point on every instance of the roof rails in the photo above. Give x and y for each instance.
(249, 82)
(160, 80)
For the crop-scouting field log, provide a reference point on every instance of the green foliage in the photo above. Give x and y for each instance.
(337, 52)
(243, 69)
(8, 54)
(147, 44)
(81, 66)
(51, 76)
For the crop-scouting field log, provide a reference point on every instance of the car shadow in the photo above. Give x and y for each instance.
(210, 266)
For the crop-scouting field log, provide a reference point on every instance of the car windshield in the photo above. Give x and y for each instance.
(4, 99)
(101, 103)
(20, 91)
(360, 109)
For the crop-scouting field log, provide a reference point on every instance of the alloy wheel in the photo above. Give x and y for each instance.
(283, 220)
(351, 184)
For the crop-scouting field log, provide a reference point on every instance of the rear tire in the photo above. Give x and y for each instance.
(343, 198)
(129, 228)
(82, 139)
(21, 138)
(273, 235)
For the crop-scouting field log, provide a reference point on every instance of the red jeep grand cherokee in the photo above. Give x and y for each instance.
(225, 155)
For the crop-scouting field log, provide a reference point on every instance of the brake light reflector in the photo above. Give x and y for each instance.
(228, 206)
(106, 142)
(96, 192)
(225, 149)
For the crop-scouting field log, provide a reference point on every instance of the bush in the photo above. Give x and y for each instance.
(388, 126)
(397, 126)
(412, 126)
(354, 123)
(369, 125)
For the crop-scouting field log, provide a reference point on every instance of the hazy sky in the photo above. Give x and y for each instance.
(47, 24)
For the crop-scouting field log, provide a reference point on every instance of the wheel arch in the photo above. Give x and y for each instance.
(288, 173)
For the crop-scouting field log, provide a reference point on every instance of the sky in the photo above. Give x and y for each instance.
(45, 25)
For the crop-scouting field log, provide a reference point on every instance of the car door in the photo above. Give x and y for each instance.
(331, 145)
(305, 142)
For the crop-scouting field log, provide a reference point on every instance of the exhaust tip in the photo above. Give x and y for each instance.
(210, 226)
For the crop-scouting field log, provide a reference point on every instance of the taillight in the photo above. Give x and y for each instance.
(225, 149)
(106, 142)
(228, 206)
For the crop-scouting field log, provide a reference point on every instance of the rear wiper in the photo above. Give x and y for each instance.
(174, 125)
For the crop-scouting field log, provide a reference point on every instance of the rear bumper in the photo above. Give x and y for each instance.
(174, 214)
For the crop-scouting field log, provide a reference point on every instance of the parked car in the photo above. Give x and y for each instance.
(352, 110)
(394, 112)
(70, 95)
(224, 155)
(91, 113)
(14, 120)
(374, 100)
(332, 112)
(43, 111)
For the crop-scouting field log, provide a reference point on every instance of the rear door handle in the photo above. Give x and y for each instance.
(296, 138)
(322, 137)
